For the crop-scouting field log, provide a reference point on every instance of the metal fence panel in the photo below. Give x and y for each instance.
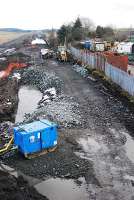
(121, 78)
(98, 61)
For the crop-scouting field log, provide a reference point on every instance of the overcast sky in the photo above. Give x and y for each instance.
(41, 14)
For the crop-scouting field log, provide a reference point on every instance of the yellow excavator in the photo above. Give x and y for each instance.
(62, 54)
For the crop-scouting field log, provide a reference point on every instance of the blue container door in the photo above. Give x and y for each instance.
(32, 142)
(46, 138)
(54, 137)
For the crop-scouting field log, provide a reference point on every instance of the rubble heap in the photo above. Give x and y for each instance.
(81, 70)
(41, 79)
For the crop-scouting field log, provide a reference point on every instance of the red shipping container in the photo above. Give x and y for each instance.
(119, 61)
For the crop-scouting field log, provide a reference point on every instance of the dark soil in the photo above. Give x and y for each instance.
(12, 188)
(8, 99)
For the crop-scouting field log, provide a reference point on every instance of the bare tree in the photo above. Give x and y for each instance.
(87, 23)
(87, 26)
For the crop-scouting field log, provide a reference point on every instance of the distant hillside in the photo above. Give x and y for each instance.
(17, 30)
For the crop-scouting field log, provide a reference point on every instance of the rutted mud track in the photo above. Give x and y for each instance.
(95, 148)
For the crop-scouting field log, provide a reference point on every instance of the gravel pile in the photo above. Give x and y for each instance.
(81, 70)
(63, 110)
(41, 79)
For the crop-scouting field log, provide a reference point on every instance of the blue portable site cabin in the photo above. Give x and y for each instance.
(35, 136)
(87, 45)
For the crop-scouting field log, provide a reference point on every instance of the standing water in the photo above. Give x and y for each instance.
(28, 101)
(129, 146)
(61, 189)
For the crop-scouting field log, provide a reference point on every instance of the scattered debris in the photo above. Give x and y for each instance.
(17, 75)
(81, 70)
(48, 95)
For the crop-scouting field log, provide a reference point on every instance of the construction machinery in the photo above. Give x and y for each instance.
(62, 54)
(46, 53)
(5, 73)
(33, 139)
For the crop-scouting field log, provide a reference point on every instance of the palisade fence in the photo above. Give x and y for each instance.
(98, 61)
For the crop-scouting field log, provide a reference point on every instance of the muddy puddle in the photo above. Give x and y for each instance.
(54, 188)
(31, 180)
(28, 101)
(129, 147)
(91, 146)
(59, 189)
(111, 164)
(54, 63)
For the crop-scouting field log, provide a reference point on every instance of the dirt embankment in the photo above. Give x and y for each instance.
(8, 99)
(12, 188)
(9, 86)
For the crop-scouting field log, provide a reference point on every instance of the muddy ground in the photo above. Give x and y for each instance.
(94, 132)
(8, 99)
(12, 188)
